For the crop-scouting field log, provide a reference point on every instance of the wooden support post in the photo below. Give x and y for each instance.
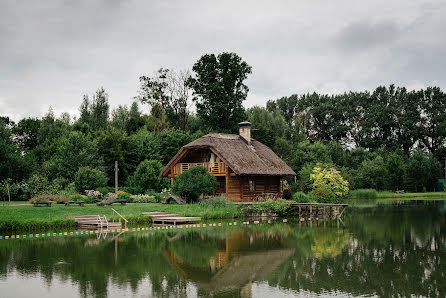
(116, 176)
(9, 194)
(227, 182)
(339, 216)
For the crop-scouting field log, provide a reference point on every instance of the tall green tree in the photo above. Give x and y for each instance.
(168, 95)
(146, 177)
(73, 151)
(219, 90)
(95, 112)
(111, 145)
(287, 107)
(26, 133)
(372, 174)
(100, 109)
(433, 121)
(267, 126)
(423, 171)
(396, 171)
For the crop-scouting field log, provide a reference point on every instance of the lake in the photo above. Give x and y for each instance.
(394, 248)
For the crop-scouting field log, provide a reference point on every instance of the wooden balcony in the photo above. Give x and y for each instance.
(215, 168)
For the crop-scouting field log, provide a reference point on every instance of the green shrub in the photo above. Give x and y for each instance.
(90, 199)
(43, 198)
(39, 199)
(88, 178)
(59, 198)
(78, 198)
(157, 196)
(191, 184)
(363, 194)
(286, 195)
(328, 185)
(218, 201)
(278, 206)
(105, 190)
(38, 184)
(147, 177)
(301, 197)
(145, 199)
(125, 196)
(129, 189)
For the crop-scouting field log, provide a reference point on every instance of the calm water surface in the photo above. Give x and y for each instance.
(391, 249)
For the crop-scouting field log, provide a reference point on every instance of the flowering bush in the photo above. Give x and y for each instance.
(93, 193)
(328, 185)
(144, 199)
(124, 196)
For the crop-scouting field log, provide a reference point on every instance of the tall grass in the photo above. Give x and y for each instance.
(373, 194)
(363, 194)
(27, 217)
(300, 197)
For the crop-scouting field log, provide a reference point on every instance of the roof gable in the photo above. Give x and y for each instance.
(244, 159)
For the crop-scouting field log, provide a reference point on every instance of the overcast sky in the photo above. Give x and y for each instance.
(53, 52)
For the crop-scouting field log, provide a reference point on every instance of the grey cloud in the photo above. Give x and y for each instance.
(52, 52)
(364, 34)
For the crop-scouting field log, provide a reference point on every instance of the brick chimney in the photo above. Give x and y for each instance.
(244, 129)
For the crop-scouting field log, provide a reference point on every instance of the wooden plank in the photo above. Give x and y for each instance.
(178, 218)
(154, 213)
(162, 215)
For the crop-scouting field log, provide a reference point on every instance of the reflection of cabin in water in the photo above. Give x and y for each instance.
(245, 168)
(243, 258)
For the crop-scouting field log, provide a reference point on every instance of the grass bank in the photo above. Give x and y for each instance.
(16, 218)
(373, 194)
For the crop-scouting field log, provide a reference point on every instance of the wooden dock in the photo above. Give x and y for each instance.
(305, 210)
(96, 222)
(166, 218)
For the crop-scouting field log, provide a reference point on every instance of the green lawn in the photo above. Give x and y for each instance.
(27, 217)
(2, 203)
(411, 195)
(373, 194)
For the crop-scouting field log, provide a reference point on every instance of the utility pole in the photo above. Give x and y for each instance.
(9, 194)
(116, 176)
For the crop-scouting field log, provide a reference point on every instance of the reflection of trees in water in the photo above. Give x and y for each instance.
(93, 267)
(382, 251)
(330, 244)
(390, 253)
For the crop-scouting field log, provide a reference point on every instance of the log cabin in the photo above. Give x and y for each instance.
(245, 169)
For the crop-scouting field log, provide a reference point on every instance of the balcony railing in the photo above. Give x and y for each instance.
(215, 168)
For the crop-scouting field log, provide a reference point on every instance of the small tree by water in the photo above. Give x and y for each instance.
(328, 185)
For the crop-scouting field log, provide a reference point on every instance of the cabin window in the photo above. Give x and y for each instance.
(251, 185)
(267, 184)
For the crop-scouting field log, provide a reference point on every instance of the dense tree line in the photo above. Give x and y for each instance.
(386, 139)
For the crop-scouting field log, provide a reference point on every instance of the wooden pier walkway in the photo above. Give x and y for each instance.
(306, 210)
(96, 222)
(166, 218)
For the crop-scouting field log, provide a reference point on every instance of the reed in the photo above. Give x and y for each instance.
(363, 194)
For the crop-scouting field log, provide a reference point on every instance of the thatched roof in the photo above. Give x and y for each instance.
(244, 159)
